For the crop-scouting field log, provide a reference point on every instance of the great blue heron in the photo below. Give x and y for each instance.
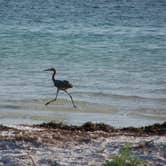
(61, 85)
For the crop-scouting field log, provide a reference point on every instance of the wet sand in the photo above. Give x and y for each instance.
(90, 144)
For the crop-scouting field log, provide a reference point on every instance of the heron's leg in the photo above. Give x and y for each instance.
(53, 99)
(71, 99)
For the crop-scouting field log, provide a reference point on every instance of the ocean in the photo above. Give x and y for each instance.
(113, 52)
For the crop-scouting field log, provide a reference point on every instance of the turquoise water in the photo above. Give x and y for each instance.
(113, 52)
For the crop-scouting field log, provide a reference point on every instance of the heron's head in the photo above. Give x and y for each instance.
(50, 69)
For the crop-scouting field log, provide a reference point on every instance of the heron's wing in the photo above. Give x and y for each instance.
(63, 84)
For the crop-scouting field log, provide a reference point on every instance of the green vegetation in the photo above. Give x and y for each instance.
(125, 158)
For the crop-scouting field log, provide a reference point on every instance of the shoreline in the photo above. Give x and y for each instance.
(155, 129)
(89, 144)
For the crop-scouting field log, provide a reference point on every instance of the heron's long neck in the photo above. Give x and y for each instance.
(53, 76)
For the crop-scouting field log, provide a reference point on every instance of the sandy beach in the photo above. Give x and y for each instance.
(51, 144)
(89, 70)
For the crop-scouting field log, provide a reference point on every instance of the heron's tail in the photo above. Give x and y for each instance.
(68, 84)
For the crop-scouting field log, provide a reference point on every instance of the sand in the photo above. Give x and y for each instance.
(60, 145)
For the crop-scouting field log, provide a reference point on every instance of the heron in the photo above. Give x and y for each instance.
(61, 85)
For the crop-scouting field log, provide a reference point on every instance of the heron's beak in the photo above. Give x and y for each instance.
(47, 70)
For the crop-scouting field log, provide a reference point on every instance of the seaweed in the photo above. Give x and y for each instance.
(155, 129)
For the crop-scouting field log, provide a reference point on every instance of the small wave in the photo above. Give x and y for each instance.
(58, 105)
(119, 96)
(149, 113)
(8, 106)
(162, 91)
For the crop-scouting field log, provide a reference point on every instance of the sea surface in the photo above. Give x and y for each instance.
(113, 52)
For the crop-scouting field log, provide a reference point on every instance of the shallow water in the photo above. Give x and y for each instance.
(112, 52)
